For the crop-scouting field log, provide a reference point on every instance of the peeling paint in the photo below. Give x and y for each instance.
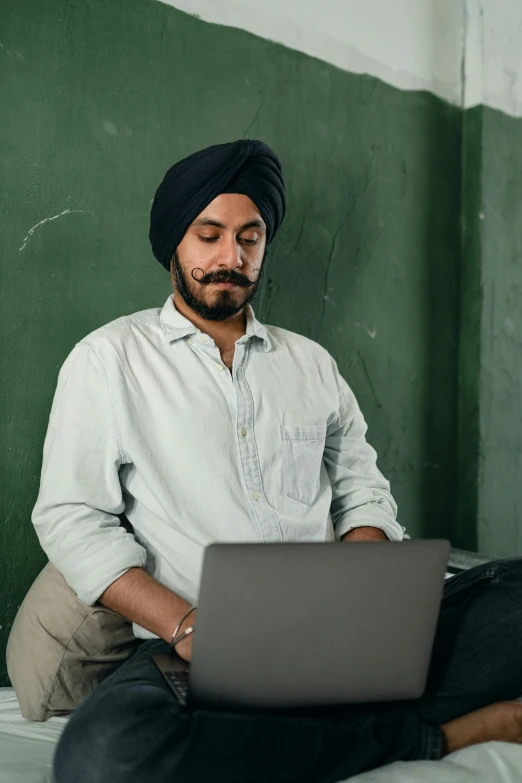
(46, 220)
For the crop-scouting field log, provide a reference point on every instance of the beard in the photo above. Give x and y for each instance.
(226, 303)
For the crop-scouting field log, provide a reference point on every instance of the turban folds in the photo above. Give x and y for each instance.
(245, 166)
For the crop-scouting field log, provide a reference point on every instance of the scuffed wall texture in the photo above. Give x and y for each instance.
(98, 99)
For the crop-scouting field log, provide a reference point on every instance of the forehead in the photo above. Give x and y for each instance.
(231, 209)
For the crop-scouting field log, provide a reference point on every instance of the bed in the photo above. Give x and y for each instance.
(26, 751)
(26, 747)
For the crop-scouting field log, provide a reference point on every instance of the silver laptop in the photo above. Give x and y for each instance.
(311, 624)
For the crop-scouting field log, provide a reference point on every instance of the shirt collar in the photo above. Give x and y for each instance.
(175, 325)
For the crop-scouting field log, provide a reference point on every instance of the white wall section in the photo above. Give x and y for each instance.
(493, 56)
(411, 44)
(465, 51)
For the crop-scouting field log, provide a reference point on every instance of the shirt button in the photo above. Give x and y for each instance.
(202, 338)
(255, 495)
(219, 367)
(243, 432)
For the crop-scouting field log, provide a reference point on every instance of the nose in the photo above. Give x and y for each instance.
(230, 254)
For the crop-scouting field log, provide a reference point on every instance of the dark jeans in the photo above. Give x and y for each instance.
(131, 728)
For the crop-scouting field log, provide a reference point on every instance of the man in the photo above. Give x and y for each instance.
(204, 425)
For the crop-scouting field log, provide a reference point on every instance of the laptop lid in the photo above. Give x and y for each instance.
(309, 624)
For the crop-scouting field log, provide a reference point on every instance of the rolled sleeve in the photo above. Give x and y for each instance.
(76, 512)
(360, 494)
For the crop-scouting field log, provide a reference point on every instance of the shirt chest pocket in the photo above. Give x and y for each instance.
(302, 454)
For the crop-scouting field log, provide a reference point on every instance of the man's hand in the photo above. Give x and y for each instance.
(365, 534)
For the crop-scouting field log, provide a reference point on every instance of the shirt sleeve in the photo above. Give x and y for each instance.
(360, 493)
(80, 496)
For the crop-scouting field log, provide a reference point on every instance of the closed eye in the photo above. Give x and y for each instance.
(241, 239)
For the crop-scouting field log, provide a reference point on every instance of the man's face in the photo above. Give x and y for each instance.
(225, 243)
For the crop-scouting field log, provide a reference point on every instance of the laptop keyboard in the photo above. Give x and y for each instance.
(179, 679)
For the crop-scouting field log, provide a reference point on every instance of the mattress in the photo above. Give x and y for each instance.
(26, 751)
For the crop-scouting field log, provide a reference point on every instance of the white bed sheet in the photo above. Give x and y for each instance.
(26, 747)
(26, 751)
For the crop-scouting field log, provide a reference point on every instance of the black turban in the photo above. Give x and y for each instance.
(245, 166)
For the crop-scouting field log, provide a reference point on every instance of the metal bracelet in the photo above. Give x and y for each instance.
(185, 633)
(173, 637)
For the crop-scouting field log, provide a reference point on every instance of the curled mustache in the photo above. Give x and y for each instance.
(230, 278)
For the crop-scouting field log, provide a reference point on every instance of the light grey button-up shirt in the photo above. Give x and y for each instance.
(147, 420)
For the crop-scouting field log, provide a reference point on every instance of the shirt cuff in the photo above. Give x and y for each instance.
(90, 585)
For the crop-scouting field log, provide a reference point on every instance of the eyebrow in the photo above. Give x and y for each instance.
(211, 222)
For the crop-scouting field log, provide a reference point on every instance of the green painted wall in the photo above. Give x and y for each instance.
(470, 304)
(492, 296)
(98, 99)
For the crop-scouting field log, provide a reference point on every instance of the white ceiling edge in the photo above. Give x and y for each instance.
(409, 44)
